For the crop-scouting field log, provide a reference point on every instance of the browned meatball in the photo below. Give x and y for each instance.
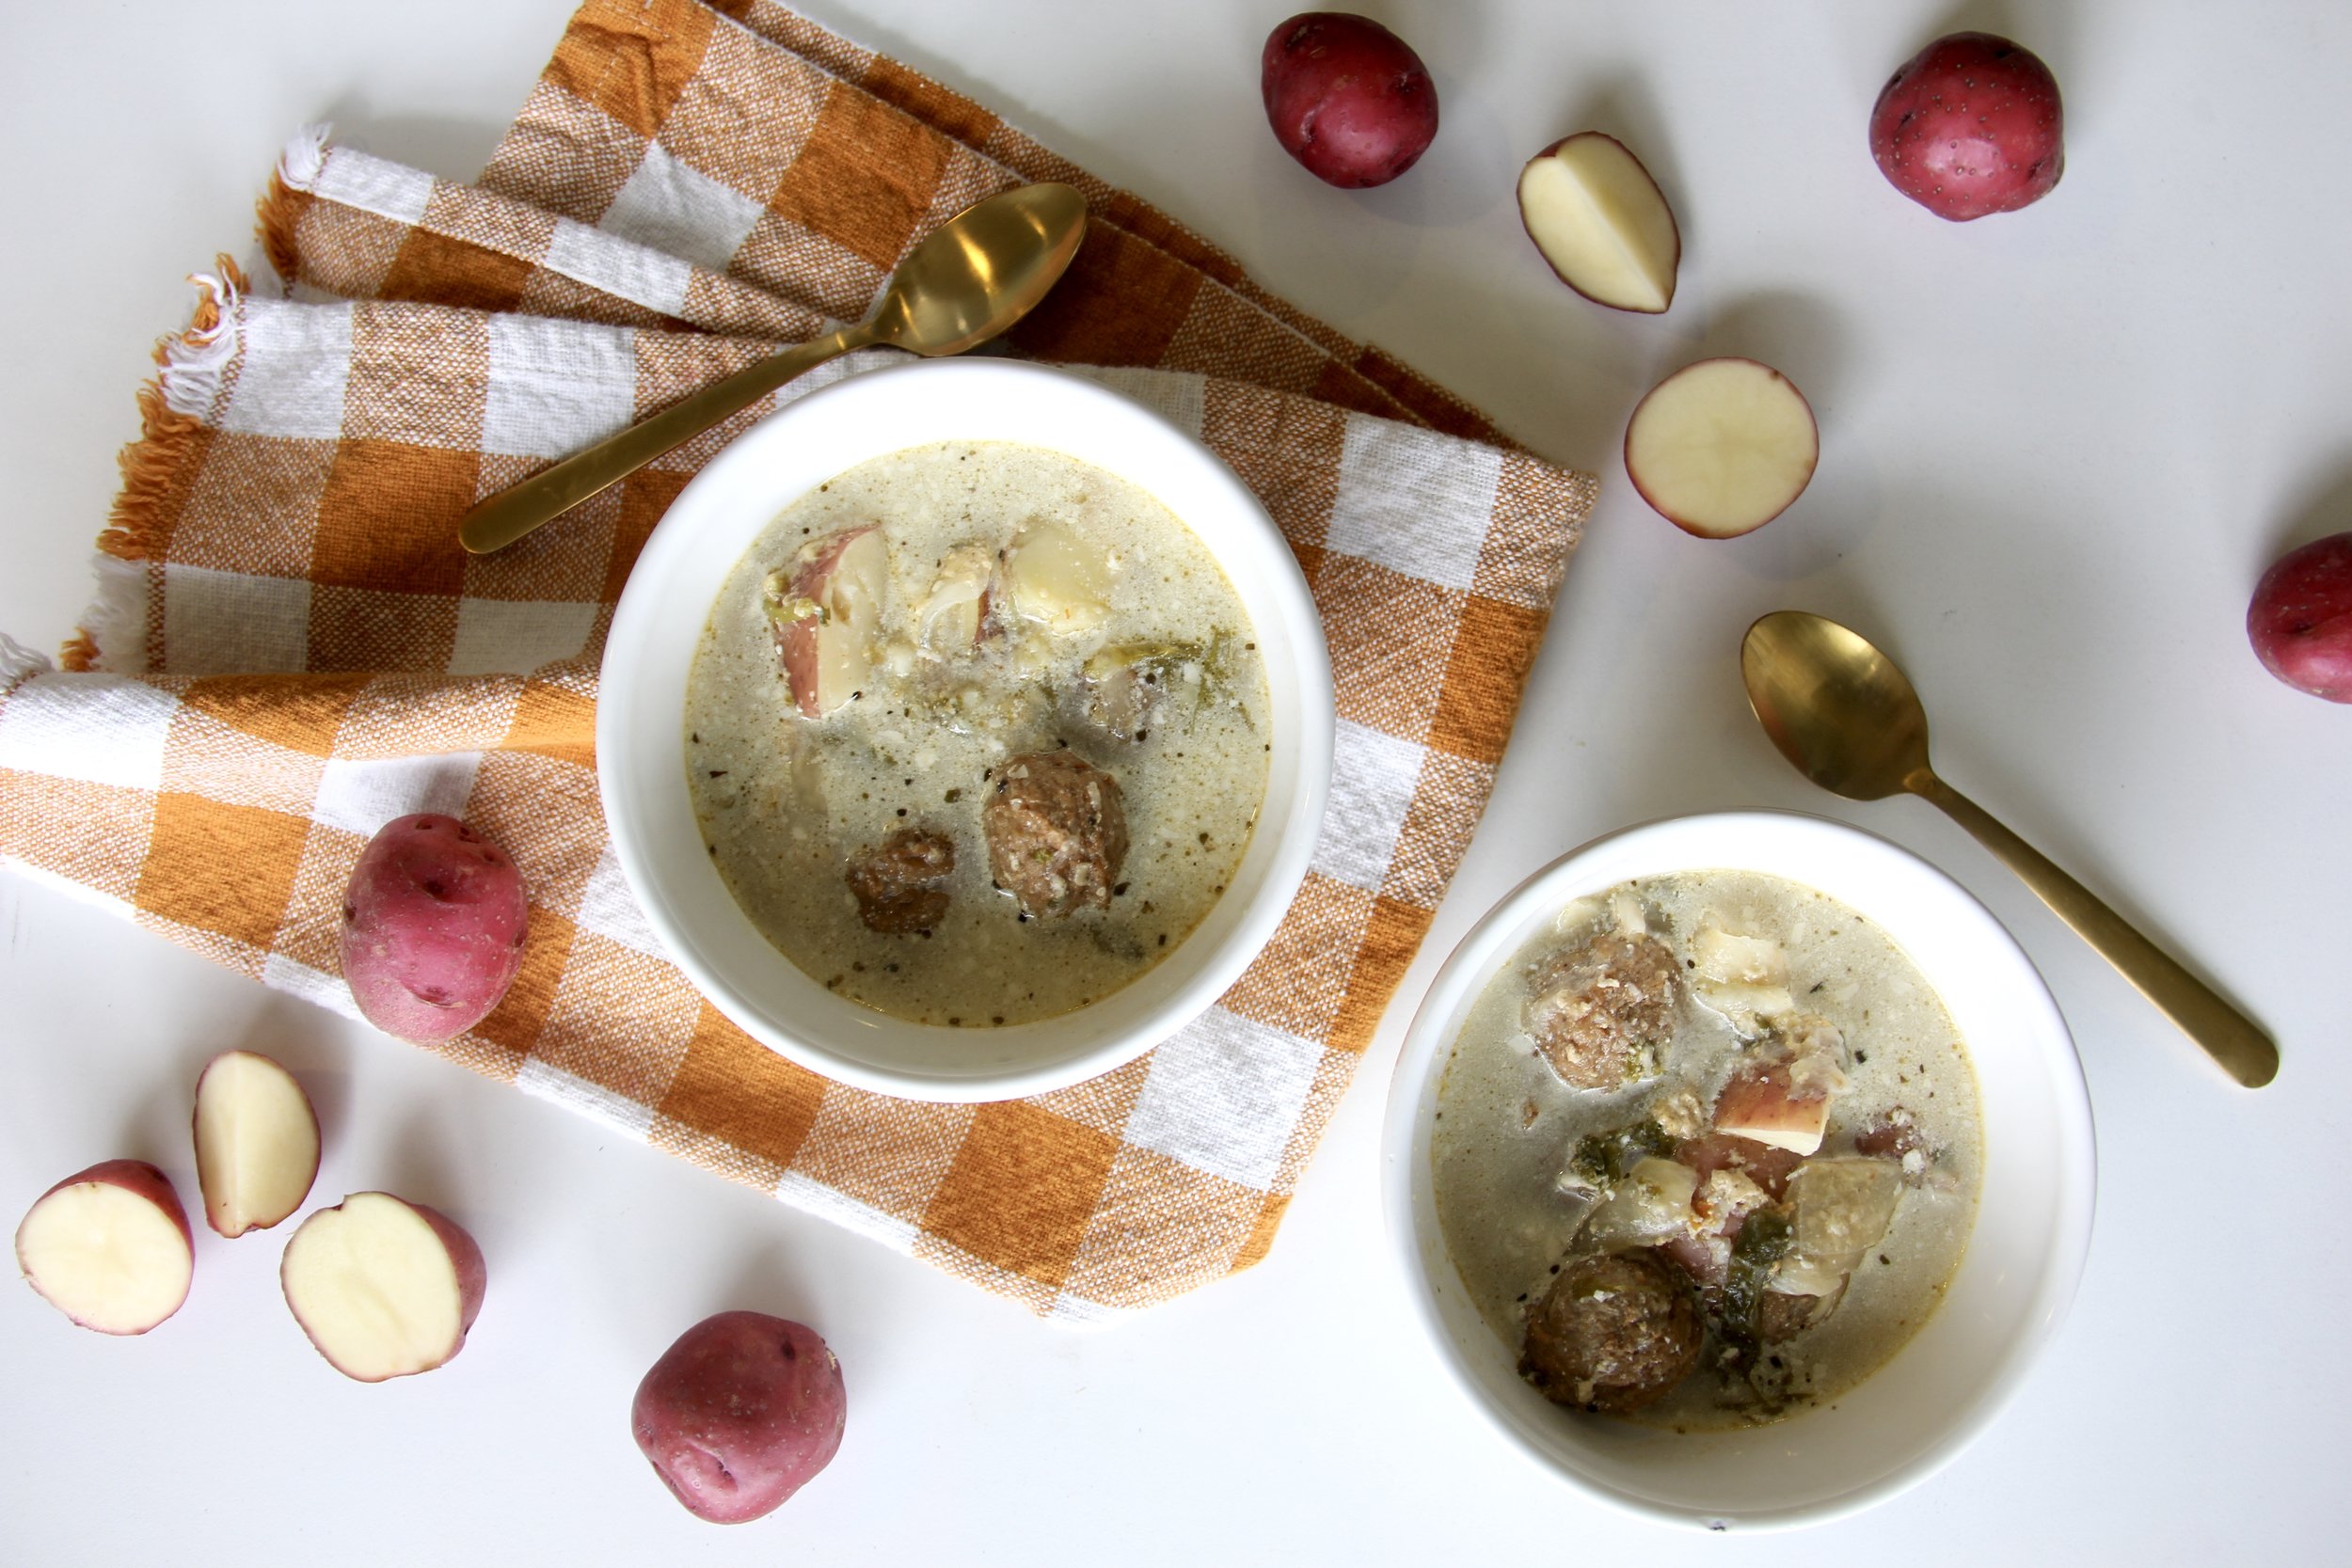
(1601, 1013)
(1057, 832)
(901, 885)
(1615, 1332)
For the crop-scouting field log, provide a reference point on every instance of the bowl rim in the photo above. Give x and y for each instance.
(1278, 577)
(1473, 963)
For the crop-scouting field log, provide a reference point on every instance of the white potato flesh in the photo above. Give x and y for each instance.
(851, 597)
(256, 1143)
(1055, 582)
(1844, 1206)
(1602, 223)
(375, 1287)
(1722, 446)
(106, 1257)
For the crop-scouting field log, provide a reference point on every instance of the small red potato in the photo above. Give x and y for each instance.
(256, 1142)
(384, 1288)
(2301, 622)
(1970, 125)
(109, 1248)
(1347, 98)
(434, 922)
(739, 1414)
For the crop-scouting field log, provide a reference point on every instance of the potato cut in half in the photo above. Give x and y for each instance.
(109, 1248)
(1723, 447)
(384, 1288)
(256, 1142)
(1602, 223)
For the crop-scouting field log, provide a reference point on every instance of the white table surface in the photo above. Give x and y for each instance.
(2057, 449)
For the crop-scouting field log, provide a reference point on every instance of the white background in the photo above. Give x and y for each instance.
(2058, 447)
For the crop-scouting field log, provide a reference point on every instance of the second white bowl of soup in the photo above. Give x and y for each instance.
(1739, 1167)
(965, 730)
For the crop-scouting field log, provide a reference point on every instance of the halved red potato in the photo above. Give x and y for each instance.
(383, 1287)
(826, 613)
(256, 1142)
(1601, 221)
(109, 1248)
(1722, 446)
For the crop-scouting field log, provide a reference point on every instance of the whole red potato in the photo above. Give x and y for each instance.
(1970, 125)
(434, 922)
(1347, 98)
(2301, 622)
(739, 1414)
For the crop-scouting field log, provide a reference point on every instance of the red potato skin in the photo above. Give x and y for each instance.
(1970, 126)
(433, 928)
(1675, 268)
(1347, 98)
(135, 1176)
(315, 1155)
(739, 1414)
(2300, 621)
(465, 1256)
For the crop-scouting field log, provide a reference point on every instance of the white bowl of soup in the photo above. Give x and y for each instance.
(1737, 1168)
(964, 730)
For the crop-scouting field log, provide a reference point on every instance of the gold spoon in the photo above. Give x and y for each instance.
(1845, 716)
(972, 279)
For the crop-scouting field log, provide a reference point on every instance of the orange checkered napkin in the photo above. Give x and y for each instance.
(290, 648)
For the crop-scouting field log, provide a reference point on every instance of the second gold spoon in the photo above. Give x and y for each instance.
(1847, 718)
(970, 280)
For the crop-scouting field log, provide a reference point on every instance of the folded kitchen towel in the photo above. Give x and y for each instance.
(290, 648)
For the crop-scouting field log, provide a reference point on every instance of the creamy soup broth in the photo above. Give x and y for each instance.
(784, 800)
(1507, 1127)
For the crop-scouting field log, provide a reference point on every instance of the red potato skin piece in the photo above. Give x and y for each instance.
(134, 1176)
(796, 641)
(465, 1256)
(1970, 126)
(433, 927)
(739, 1414)
(1674, 269)
(2301, 620)
(317, 1152)
(1768, 1166)
(1347, 98)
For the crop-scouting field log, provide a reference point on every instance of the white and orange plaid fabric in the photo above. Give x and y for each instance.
(289, 647)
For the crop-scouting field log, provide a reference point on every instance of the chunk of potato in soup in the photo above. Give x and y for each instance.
(976, 732)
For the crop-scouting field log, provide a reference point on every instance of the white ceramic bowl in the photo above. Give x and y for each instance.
(641, 728)
(2015, 1283)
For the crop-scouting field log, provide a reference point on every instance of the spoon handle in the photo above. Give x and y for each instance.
(499, 521)
(2228, 1035)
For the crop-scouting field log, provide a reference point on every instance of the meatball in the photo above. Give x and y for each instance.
(1056, 830)
(1615, 1331)
(1601, 1013)
(901, 885)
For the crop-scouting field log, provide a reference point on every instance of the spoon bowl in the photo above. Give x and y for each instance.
(1837, 708)
(980, 271)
